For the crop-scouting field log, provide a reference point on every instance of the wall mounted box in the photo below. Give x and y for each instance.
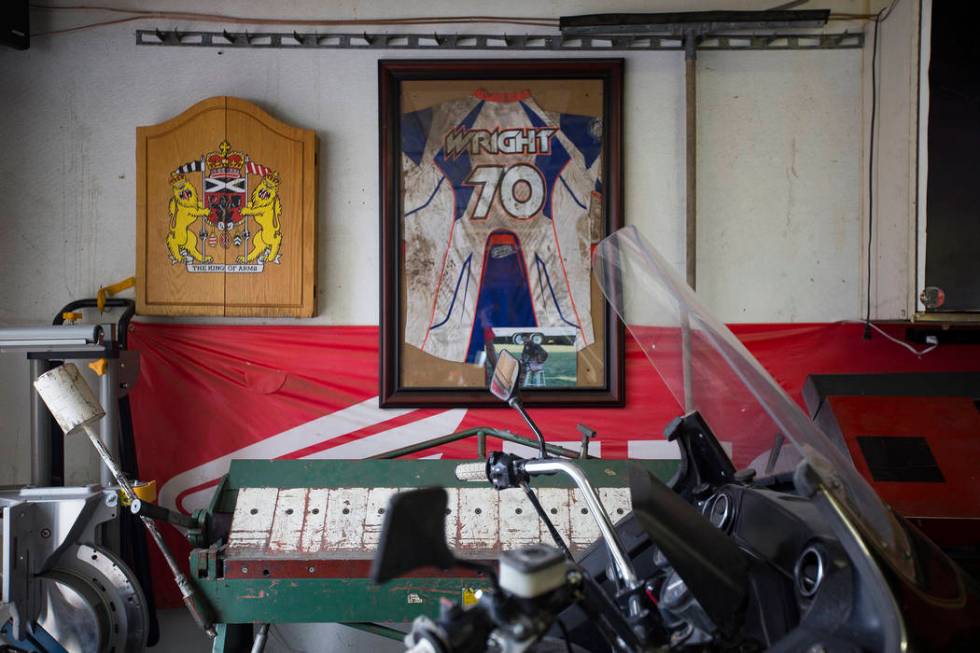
(225, 214)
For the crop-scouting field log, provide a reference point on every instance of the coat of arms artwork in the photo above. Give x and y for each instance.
(224, 211)
(226, 199)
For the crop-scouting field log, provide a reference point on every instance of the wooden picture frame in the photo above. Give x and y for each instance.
(524, 156)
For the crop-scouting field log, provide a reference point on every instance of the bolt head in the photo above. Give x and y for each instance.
(45, 533)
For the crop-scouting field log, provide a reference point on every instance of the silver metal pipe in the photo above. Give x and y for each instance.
(67, 335)
(40, 431)
(516, 403)
(187, 591)
(258, 646)
(691, 168)
(109, 434)
(107, 425)
(572, 470)
(687, 362)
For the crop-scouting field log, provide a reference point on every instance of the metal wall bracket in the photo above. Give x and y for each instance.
(496, 42)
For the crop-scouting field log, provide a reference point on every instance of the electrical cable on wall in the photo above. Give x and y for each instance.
(201, 17)
(931, 340)
(878, 19)
(871, 171)
(193, 16)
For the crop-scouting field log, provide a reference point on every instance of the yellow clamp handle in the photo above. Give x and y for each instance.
(114, 289)
(145, 491)
(99, 366)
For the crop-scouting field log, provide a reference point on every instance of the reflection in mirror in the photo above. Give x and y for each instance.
(505, 376)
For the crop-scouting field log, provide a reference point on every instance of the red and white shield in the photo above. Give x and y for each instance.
(224, 196)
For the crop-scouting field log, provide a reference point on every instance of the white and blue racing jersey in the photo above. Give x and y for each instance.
(501, 206)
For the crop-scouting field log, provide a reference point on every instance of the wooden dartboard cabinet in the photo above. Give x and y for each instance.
(226, 213)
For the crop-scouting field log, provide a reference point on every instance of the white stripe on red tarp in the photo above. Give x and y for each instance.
(400, 436)
(341, 422)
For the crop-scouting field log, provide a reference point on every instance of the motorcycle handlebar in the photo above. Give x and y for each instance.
(606, 528)
(472, 471)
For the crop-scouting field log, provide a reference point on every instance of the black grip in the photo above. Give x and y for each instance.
(159, 513)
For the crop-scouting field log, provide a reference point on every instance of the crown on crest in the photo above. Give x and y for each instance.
(177, 177)
(225, 158)
(272, 178)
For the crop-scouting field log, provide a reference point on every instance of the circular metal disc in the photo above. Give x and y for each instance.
(93, 598)
(70, 614)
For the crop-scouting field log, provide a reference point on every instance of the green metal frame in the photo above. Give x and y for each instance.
(481, 434)
(356, 602)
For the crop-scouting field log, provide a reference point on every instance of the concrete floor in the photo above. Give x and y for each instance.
(178, 634)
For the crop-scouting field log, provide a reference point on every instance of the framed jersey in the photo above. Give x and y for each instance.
(498, 178)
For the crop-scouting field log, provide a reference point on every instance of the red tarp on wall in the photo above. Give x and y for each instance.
(210, 393)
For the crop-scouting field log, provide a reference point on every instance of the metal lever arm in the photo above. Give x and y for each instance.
(154, 511)
(75, 407)
(620, 559)
(195, 604)
(515, 402)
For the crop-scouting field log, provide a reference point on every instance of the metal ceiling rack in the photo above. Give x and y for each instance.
(496, 42)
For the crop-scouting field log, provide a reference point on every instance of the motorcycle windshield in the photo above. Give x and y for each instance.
(709, 370)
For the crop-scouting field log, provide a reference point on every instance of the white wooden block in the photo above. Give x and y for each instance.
(519, 523)
(556, 503)
(316, 519)
(616, 501)
(252, 521)
(345, 519)
(452, 517)
(584, 529)
(287, 524)
(478, 525)
(374, 518)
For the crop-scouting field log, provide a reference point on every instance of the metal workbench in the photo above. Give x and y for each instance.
(291, 541)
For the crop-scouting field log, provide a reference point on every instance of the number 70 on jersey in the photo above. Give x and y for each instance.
(520, 188)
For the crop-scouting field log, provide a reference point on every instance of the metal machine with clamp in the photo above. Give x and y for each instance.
(75, 407)
(291, 541)
(64, 591)
(93, 332)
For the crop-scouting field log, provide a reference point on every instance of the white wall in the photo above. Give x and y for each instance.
(779, 209)
(895, 168)
(779, 136)
(780, 160)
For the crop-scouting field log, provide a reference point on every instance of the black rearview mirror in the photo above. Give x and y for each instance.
(413, 536)
(506, 374)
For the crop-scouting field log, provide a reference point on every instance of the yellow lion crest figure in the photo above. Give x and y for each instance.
(265, 208)
(184, 210)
